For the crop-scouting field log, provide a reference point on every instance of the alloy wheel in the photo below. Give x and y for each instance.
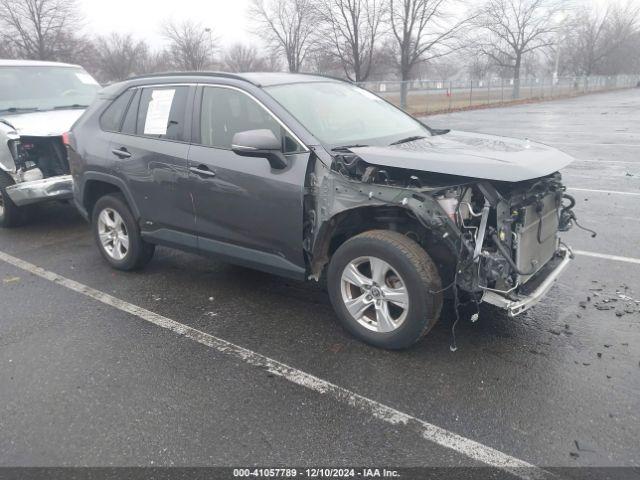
(113, 234)
(374, 294)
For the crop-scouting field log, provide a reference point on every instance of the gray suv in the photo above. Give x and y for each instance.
(303, 175)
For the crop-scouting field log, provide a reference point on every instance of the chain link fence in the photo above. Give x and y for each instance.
(426, 96)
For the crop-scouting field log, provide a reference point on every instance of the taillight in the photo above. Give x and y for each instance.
(66, 138)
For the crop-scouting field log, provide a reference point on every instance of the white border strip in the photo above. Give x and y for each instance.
(615, 258)
(580, 144)
(428, 431)
(615, 192)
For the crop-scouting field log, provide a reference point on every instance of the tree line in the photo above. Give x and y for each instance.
(359, 40)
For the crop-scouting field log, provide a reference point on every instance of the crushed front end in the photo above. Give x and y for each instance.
(514, 252)
(493, 241)
(38, 167)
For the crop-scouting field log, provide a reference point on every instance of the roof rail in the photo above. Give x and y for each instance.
(332, 77)
(193, 74)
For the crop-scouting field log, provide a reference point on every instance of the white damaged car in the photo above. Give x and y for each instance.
(39, 102)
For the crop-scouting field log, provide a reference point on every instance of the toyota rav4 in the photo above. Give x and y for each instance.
(304, 175)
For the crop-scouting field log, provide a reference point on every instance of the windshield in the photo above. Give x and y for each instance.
(45, 88)
(341, 114)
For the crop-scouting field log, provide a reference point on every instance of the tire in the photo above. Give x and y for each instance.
(113, 222)
(10, 214)
(393, 309)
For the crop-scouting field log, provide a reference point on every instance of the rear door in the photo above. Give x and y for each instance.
(151, 155)
(244, 208)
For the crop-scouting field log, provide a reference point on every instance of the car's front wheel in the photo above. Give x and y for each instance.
(117, 234)
(383, 287)
(10, 214)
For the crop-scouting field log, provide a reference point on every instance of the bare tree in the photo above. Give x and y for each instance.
(515, 28)
(597, 39)
(625, 34)
(288, 26)
(352, 29)
(120, 56)
(191, 45)
(156, 61)
(6, 50)
(38, 29)
(423, 30)
(243, 58)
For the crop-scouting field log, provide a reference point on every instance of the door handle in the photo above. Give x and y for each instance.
(202, 170)
(121, 153)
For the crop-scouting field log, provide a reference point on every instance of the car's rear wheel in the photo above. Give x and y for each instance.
(117, 234)
(382, 285)
(10, 214)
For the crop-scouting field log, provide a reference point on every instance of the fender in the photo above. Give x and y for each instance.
(7, 134)
(104, 178)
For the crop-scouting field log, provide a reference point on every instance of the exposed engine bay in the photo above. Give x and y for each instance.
(486, 236)
(40, 158)
(37, 167)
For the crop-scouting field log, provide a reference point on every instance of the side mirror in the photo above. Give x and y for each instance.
(259, 143)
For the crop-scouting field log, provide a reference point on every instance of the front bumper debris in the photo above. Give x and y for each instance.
(52, 188)
(525, 302)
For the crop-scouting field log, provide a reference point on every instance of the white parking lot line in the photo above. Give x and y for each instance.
(615, 192)
(626, 162)
(428, 431)
(615, 258)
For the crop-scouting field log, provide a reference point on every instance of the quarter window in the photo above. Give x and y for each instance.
(161, 113)
(111, 119)
(226, 112)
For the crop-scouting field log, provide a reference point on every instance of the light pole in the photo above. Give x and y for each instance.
(559, 38)
(210, 33)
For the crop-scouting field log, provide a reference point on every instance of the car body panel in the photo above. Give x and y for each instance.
(157, 176)
(7, 134)
(50, 123)
(54, 188)
(237, 205)
(471, 155)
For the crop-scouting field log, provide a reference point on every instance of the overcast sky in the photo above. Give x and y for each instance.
(227, 18)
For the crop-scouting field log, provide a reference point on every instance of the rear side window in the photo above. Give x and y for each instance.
(161, 113)
(111, 119)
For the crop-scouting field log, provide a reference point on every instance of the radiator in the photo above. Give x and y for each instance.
(537, 236)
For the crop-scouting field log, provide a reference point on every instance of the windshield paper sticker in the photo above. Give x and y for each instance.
(86, 79)
(158, 112)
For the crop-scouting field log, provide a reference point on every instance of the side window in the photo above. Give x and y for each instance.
(129, 123)
(161, 112)
(111, 119)
(226, 112)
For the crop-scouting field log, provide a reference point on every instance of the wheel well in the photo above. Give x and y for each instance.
(349, 223)
(354, 222)
(94, 190)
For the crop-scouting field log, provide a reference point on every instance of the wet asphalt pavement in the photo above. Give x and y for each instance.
(82, 383)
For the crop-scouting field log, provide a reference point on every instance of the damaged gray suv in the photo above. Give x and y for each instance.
(303, 175)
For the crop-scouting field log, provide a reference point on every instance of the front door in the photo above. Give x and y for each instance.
(245, 209)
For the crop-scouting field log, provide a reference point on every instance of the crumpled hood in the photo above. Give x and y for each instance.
(43, 124)
(471, 155)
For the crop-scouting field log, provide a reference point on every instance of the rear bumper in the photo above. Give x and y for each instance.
(525, 302)
(52, 188)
